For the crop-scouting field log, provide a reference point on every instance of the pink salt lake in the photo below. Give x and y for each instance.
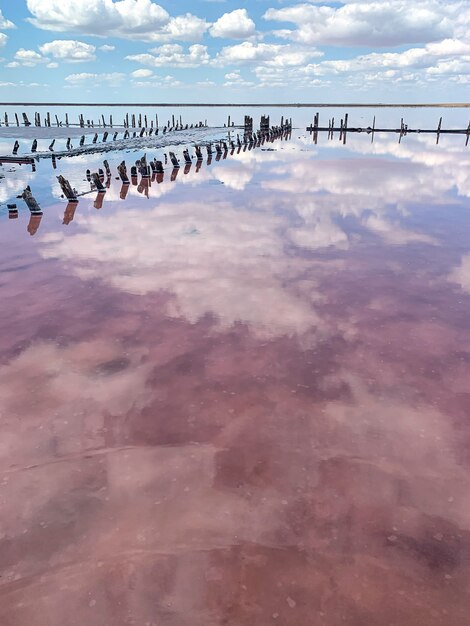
(243, 400)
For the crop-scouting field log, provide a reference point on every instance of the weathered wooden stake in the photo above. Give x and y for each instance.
(17, 120)
(67, 190)
(15, 147)
(31, 202)
(439, 130)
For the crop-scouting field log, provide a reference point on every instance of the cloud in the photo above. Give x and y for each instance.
(267, 54)
(29, 58)
(199, 258)
(142, 20)
(173, 55)
(69, 50)
(142, 73)
(234, 25)
(112, 78)
(234, 79)
(107, 48)
(380, 24)
(4, 23)
(3, 39)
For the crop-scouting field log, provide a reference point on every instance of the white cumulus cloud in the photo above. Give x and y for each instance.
(365, 23)
(234, 25)
(173, 55)
(69, 50)
(4, 23)
(266, 53)
(143, 20)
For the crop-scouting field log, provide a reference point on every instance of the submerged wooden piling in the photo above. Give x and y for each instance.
(67, 190)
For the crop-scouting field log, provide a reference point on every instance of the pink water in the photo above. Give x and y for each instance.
(244, 400)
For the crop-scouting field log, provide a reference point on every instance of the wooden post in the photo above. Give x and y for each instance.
(51, 145)
(82, 140)
(156, 120)
(15, 147)
(26, 120)
(468, 134)
(140, 120)
(57, 121)
(69, 143)
(67, 190)
(438, 130)
(173, 121)
(17, 120)
(111, 121)
(48, 120)
(34, 146)
(31, 202)
(145, 121)
(6, 119)
(122, 170)
(105, 136)
(133, 120)
(67, 120)
(12, 211)
(95, 138)
(104, 121)
(97, 182)
(345, 128)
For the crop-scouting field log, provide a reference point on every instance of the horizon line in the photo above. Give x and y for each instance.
(258, 104)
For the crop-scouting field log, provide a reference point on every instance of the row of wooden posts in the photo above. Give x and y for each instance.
(402, 131)
(145, 131)
(149, 171)
(130, 121)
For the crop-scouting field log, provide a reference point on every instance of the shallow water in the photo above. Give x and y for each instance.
(243, 399)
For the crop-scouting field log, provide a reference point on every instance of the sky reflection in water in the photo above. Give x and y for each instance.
(243, 400)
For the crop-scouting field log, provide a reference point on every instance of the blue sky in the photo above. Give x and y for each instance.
(235, 50)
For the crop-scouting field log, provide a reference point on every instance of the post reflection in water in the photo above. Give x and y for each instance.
(69, 212)
(247, 397)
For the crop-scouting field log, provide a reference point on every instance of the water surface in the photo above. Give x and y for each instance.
(244, 398)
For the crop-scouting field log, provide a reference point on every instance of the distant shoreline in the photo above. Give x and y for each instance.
(440, 105)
